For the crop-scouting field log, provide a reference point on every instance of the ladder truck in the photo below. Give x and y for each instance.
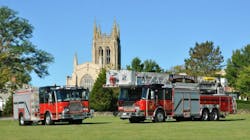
(154, 96)
(51, 104)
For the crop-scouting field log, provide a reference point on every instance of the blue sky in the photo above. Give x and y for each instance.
(161, 30)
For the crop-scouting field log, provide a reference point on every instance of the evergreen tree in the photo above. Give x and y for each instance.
(103, 99)
(8, 109)
(205, 60)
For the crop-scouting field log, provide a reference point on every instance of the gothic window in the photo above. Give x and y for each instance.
(107, 55)
(87, 82)
(100, 55)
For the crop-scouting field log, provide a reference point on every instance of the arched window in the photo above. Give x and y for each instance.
(100, 55)
(107, 55)
(87, 82)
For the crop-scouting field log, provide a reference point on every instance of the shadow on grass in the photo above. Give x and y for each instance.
(69, 124)
(188, 120)
(240, 119)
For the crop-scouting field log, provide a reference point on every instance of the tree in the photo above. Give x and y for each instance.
(205, 59)
(18, 56)
(151, 66)
(177, 69)
(237, 68)
(8, 109)
(243, 81)
(136, 65)
(147, 66)
(103, 99)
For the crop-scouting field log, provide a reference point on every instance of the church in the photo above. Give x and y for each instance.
(106, 53)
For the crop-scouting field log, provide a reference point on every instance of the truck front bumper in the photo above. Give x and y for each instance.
(127, 115)
(77, 116)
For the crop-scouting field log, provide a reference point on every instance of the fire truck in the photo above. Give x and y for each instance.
(157, 96)
(51, 104)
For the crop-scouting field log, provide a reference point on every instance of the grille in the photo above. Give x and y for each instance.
(128, 106)
(75, 106)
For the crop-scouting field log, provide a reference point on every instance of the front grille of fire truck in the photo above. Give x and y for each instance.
(75, 106)
(128, 105)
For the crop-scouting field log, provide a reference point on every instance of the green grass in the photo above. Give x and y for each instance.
(234, 127)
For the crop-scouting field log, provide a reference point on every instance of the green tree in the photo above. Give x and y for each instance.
(243, 81)
(18, 56)
(239, 60)
(147, 66)
(151, 66)
(205, 59)
(136, 65)
(177, 69)
(103, 99)
(8, 109)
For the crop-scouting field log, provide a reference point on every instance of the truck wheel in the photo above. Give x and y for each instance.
(159, 116)
(205, 115)
(21, 120)
(214, 115)
(48, 120)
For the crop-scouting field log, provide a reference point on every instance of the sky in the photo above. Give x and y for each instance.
(161, 30)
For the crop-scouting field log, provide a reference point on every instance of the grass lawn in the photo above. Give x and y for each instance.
(234, 127)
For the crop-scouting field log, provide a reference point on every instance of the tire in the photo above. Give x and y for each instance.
(48, 120)
(205, 115)
(159, 116)
(21, 120)
(214, 115)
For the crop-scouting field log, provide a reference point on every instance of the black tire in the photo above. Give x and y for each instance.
(48, 120)
(21, 120)
(214, 115)
(205, 115)
(159, 116)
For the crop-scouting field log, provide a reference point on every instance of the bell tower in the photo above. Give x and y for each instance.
(106, 49)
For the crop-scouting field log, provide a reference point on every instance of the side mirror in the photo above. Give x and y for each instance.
(152, 95)
(50, 98)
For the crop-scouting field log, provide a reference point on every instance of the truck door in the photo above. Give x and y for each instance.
(52, 106)
(168, 100)
(150, 102)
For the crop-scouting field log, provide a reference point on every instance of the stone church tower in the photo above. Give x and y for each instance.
(106, 53)
(106, 48)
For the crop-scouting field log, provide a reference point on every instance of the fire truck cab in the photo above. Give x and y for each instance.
(51, 104)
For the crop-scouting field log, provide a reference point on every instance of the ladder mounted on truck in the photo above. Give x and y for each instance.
(118, 78)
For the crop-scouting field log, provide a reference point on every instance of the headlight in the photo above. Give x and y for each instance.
(66, 109)
(137, 108)
(85, 109)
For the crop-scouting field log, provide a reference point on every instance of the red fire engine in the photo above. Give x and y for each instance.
(51, 104)
(145, 95)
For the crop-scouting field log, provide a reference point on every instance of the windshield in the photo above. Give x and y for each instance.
(130, 94)
(67, 94)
